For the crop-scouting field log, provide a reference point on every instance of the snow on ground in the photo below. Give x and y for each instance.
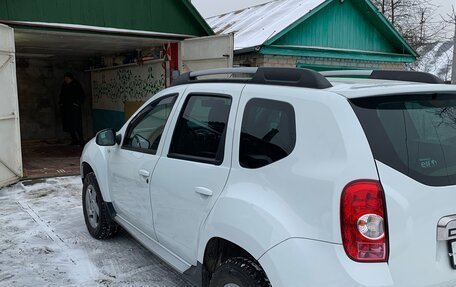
(44, 242)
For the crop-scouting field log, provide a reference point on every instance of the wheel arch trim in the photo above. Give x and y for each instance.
(96, 158)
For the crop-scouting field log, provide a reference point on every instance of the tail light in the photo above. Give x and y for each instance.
(363, 221)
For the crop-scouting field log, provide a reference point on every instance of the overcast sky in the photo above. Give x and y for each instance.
(209, 8)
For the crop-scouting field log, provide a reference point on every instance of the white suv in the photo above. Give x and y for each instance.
(286, 178)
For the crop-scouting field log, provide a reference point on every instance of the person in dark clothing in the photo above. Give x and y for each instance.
(71, 99)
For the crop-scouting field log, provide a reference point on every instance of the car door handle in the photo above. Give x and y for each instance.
(203, 191)
(144, 173)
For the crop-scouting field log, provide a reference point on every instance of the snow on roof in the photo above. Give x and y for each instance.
(436, 58)
(255, 25)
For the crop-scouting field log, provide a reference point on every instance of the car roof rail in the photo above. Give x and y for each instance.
(294, 77)
(394, 75)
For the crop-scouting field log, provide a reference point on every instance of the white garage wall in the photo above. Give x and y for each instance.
(111, 88)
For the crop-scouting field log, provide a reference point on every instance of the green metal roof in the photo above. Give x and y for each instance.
(165, 16)
(351, 29)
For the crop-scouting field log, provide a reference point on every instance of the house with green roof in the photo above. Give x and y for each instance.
(315, 34)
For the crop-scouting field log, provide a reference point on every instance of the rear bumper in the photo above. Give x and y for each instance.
(302, 262)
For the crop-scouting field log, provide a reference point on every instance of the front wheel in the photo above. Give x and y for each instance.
(239, 272)
(96, 215)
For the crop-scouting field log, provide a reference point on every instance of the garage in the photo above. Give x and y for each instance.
(119, 53)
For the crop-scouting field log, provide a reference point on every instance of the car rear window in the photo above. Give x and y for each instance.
(268, 132)
(414, 134)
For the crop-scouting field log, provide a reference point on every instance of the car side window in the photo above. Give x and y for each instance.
(145, 131)
(200, 130)
(268, 132)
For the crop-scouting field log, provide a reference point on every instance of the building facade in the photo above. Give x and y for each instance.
(315, 34)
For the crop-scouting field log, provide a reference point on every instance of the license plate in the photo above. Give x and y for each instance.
(453, 253)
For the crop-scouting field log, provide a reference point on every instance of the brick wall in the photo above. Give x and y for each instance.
(258, 60)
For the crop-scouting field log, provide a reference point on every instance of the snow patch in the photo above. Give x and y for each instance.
(44, 242)
(436, 58)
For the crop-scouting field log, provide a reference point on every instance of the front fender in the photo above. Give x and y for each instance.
(97, 158)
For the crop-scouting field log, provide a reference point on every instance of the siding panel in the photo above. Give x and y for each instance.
(168, 16)
(339, 25)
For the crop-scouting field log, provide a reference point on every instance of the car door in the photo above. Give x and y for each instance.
(194, 166)
(131, 165)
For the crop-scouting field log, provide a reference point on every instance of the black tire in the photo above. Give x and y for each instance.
(239, 271)
(100, 226)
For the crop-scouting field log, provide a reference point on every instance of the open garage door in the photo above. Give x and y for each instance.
(10, 142)
(207, 53)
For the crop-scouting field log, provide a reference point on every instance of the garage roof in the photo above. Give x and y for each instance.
(163, 16)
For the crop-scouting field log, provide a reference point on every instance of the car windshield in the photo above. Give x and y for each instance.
(414, 134)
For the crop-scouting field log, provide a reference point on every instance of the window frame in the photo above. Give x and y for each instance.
(139, 117)
(269, 104)
(220, 155)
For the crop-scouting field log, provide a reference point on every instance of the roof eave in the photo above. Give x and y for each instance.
(247, 50)
(94, 29)
(198, 17)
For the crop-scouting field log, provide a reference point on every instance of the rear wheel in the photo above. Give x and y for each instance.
(96, 215)
(239, 272)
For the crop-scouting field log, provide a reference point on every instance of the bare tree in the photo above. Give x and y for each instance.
(413, 19)
(451, 19)
(436, 49)
(380, 4)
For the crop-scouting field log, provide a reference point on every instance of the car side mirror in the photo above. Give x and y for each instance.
(106, 137)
